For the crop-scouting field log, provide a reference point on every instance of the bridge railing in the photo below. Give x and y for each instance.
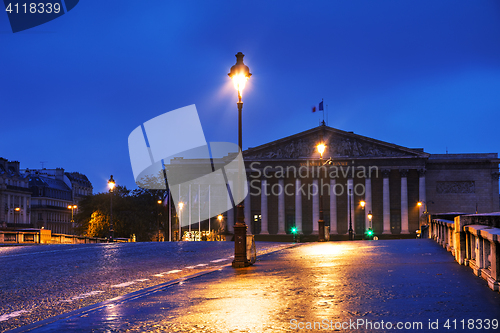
(474, 241)
(44, 236)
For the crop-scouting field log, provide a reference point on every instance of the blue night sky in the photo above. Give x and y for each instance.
(416, 73)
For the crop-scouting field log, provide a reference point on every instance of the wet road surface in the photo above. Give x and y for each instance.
(415, 284)
(37, 282)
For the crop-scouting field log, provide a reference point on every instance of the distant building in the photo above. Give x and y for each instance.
(15, 196)
(52, 191)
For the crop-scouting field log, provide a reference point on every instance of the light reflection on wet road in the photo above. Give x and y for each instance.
(392, 281)
(37, 282)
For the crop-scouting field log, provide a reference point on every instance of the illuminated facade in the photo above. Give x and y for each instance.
(285, 183)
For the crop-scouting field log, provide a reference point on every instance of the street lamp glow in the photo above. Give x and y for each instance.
(239, 73)
(239, 81)
(17, 209)
(70, 207)
(219, 217)
(419, 204)
(111, 183)
(362, 204)
(159, 202)
(181, 204)
(370, 216)
(321, 149)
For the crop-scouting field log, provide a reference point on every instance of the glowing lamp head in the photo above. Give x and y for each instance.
(159, 202)
(239, 73)
(219, 217)
(370, 215)
(111, 183)
(362, 204)
(321, 148)
(294, 230)
(75, 206)
(181, 204)
(419, 204)
(17, 209)
(70, 207)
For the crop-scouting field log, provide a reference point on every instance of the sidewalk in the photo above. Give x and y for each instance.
(336, 285)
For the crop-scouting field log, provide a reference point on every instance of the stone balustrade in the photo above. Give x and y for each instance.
(44, 236)
(474, 241)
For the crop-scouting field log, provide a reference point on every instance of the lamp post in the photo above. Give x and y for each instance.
(369, 232)
(362, 203)
(321, 222)
(181, 204)
(111, 185)
(72, 207)
(219, 218)
(351, 233)
(240, 73)
(158, 218)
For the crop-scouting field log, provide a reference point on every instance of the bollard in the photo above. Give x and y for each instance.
(251, 251)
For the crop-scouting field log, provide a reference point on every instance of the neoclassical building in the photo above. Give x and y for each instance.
(15, 195)
(287, 182)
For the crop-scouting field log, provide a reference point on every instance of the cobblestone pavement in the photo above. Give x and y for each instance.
(372, 286)
(38, 282)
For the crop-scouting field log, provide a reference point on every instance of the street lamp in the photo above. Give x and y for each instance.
(72, 207)
(219, 218)
(351, 233)
(321, 222)
(369, 232)
(181, 204)
(158, 218)
(111, 185)
(240, 73)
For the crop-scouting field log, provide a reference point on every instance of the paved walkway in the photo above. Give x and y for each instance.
(334, 285)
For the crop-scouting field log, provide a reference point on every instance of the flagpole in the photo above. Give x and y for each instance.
(169, 217)
(199, 211)
(209, 216)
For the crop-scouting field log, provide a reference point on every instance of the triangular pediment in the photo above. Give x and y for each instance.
(340, 144)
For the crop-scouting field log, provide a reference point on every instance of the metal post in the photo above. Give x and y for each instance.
(169, 217)
(111, 229)
(240, 229)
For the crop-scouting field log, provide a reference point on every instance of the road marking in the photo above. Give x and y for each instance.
(169, 272)
(92, 293)
(124, 284)
(173, 271)
(13, 314)
(219, 260)
(201, 265)
(142, 280)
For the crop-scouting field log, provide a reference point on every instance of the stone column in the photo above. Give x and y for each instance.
(298, 206)
(350, 215)
(230, 213)
(315, 208)
(404, 202)
(281, 207)
(248, 211)
(421, 193)
(387, 203)
(263, 207)
(368, 200)
(333, 208)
